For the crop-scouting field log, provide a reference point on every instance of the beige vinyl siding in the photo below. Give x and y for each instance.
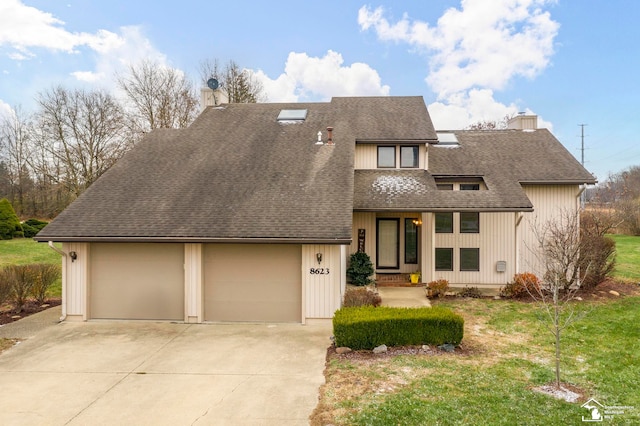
(549, 201)
(366, 156)
(322, 286)
(193, 282)
(75, 275)
(137, 281)
(252, 282)
(495, 241)
(366, 221)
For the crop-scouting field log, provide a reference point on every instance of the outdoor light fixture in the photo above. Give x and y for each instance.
(319, 258)
(73, 255)
(417, 222)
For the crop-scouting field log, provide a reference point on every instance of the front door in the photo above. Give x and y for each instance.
(388, 244)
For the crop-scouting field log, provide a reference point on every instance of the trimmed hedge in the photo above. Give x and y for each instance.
(367, 327)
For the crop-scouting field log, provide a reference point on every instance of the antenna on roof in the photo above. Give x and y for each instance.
(213, 84)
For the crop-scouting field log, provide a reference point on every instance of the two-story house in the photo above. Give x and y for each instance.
(252, 212)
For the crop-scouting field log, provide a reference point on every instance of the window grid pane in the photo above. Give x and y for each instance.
(444, 259)
(386, 156)
(408, 156)
(410, 242)
(469, 259)
(469, 222)
(444, 223)
(469, 187)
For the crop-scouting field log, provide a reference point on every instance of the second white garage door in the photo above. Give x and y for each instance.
(252, 282)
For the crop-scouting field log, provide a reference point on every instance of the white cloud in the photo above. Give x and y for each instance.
(5, 109)
(129, 47)
(26, 29)
(282, 89)
(306, 78)
(474, 106)
(88, 76)
(474, 51)
(468, 107)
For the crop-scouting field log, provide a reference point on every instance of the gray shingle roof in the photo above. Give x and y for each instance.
(504, 159)
(521, 155)
(237, 174)
(415, 190)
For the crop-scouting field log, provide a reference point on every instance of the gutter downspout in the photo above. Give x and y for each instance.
(519, 217)
(580, 197)
(64, 269)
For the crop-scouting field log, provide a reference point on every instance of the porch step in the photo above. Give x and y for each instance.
(394, 280)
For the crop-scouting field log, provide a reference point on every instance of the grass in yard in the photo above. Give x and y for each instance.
(23, 251)
(628, 257)
(507, 352)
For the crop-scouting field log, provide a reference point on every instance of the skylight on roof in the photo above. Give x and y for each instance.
(292, 115)
(447, 140)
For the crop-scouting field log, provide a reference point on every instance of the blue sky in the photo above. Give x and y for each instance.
(570, 62)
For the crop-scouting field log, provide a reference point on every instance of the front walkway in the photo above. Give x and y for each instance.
(403, 297)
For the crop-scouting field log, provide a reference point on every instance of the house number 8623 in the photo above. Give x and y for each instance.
(319, 271)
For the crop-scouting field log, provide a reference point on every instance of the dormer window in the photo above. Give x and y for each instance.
(469, 187)
(403, 156)
(387, 157)
(409, 156)
(460, 183)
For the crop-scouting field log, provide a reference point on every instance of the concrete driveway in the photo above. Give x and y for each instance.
(158, 373)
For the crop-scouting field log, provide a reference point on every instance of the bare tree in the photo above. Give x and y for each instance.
(15, 151)
(158, 96)
(559, 250)
(81, 134)
(597, 249)
(238, 84)
(491, 124)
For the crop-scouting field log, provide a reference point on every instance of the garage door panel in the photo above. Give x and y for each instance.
(253, 282)
(148, 282)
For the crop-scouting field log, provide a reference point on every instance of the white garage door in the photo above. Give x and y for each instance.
(137, 281)
(253, 282)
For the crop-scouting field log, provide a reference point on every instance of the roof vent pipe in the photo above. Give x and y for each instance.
(330, 138)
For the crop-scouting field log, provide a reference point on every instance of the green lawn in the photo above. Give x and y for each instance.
(628, 257)
(22, 251)
(507, 352)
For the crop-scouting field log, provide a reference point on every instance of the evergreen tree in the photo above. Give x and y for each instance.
(9, 223)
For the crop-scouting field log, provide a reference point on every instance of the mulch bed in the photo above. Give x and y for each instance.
(8, 315)
(603, 290)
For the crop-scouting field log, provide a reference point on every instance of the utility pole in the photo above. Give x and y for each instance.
(582, 138)
(583, 195)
